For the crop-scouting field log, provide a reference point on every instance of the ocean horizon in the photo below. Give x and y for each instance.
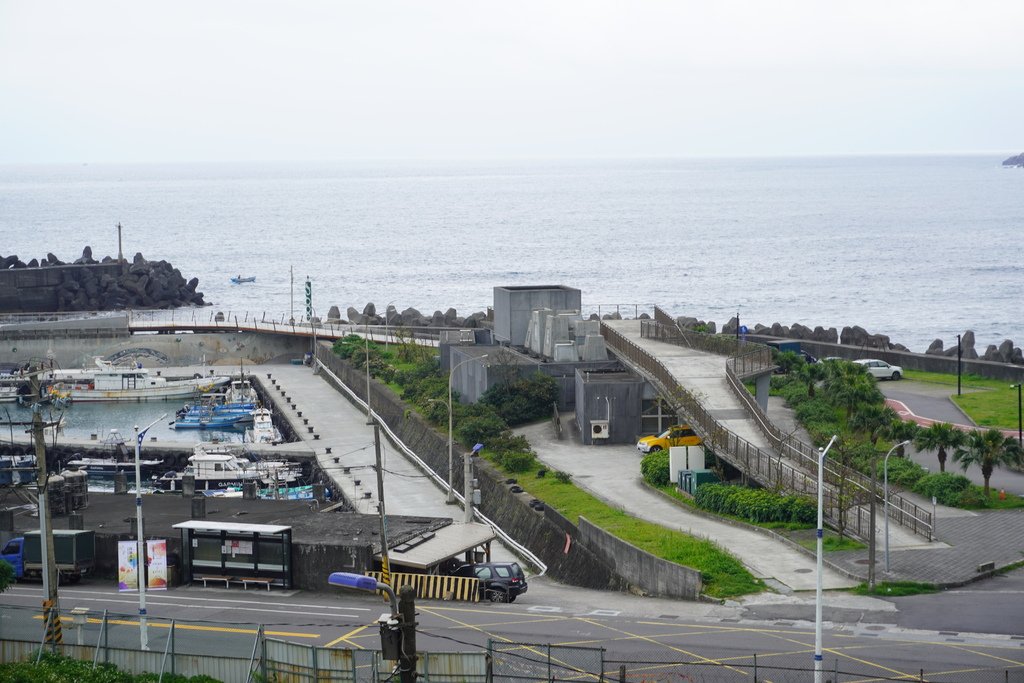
(916, 247)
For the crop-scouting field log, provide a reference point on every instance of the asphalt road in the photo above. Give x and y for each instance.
(864, 635)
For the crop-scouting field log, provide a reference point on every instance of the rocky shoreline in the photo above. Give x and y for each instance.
(138, 283)
(1006, 352)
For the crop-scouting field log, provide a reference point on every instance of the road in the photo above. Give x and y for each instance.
(868, 636)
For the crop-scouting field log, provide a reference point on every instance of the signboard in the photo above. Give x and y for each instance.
(128, 565)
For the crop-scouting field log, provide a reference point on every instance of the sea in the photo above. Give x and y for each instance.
(915, 247)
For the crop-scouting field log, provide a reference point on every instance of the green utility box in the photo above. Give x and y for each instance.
(689, 480)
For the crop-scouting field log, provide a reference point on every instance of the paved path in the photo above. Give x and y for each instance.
(612, 473)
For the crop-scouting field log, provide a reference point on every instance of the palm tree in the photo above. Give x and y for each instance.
(903, 430)
(873, 420)
(810, 374)
(850, 391)
(987, 450)
(941, 437)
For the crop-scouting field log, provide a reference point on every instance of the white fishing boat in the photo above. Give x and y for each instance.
(112, 383)
(220, 466)
(263, 429)
(121, 459)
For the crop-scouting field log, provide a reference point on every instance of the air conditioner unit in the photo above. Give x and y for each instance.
(599, 429)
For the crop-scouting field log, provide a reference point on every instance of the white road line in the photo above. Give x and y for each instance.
(543, 608)
(604, 613)
(158, 596)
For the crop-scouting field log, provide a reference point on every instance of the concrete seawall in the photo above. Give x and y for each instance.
(590, 558)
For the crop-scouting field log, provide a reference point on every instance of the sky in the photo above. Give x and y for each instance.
(104, 81)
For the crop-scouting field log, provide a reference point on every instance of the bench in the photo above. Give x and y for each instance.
(260, 581)
(208, 577)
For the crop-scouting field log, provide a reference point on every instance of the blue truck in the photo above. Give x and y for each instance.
(74, 550)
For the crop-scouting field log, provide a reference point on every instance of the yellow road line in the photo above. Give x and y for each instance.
(196, 627)
(351, 634)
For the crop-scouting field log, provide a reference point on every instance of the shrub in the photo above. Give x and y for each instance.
(481, 429)
(654, 468)
(523, 400)
(563, 477)
(903, 472)
(945, 486)
(755, 505)
(517, 461)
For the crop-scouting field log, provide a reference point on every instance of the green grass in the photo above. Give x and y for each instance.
(896, 589)
(990, 402)
(1012, 502)
(724, 576)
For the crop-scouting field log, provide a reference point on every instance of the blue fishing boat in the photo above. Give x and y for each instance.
(238, 280)
(208, 417)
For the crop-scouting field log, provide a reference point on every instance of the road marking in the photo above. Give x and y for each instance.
(603, 613)
(331, 615)
(156, 596)
(351, 634)
(193, 627)
(543, 608)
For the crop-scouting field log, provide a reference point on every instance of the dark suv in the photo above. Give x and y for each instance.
(499, 581)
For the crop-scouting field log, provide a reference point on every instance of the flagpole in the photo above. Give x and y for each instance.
(140, 552)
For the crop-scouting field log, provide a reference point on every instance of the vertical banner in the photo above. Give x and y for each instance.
(156, 558)
(127, 566)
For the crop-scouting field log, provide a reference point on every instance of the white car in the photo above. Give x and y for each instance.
(879, 369)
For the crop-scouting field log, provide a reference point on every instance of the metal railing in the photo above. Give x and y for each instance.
(769, 469)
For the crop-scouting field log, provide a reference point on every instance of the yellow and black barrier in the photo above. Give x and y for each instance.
(54, 636)
(433, 586)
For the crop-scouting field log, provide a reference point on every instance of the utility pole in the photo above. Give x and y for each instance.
(51, 604)
(120, 253)
(385, 569)
(407, 660)
(872, 545)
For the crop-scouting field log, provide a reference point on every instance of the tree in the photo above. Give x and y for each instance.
(850, 391)
(810, 374)
(941, 437)
(903, 430)
(873, 420)
(6, 575)
(987, 449)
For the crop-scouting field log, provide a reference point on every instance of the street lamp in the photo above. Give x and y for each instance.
(364, 583)
(140, 554)
(885, 492)
(822, 452)
(387, 335)
(467, 483)
(366, 340)
(451, 374)
(1020, 422)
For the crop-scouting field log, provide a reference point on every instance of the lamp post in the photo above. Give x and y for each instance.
(140, 554)
(387, 333)
(959, 364)
(364, 583)
(822, 452)
(366, 340)
(451, 374)
(885, 492)
(1020, 421)
(467, 480)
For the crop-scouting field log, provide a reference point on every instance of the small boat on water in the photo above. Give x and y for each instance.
(263, 429)
(220, 466)
(112, 383)
(238, 280)
(212, 417)
(120, 459)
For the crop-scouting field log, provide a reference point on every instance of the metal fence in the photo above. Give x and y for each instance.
(747, 359)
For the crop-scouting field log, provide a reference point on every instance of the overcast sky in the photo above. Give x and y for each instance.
(103, 81)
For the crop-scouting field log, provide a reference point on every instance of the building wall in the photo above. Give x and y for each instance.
(513, 306)
(621, 409)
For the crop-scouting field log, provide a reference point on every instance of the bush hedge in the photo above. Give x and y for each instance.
(654, 468)
(945, 486)
(756, 505)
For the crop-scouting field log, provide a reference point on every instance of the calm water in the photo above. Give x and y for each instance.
(81, 420)
(913, 247)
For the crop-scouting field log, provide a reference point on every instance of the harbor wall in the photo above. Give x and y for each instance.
(77, 347)
(556, 540)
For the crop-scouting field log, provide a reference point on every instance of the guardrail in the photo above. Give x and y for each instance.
(752, 359)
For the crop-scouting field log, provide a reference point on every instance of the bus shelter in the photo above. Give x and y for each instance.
(233, 552)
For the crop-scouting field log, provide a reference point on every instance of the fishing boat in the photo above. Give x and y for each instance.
(238, 280)
(211, 417)
(219, 466)
(112, 383)
(263, 429)
(121, 459)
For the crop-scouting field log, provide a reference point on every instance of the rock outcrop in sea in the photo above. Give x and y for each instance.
(107, 285)
(1017, 161)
